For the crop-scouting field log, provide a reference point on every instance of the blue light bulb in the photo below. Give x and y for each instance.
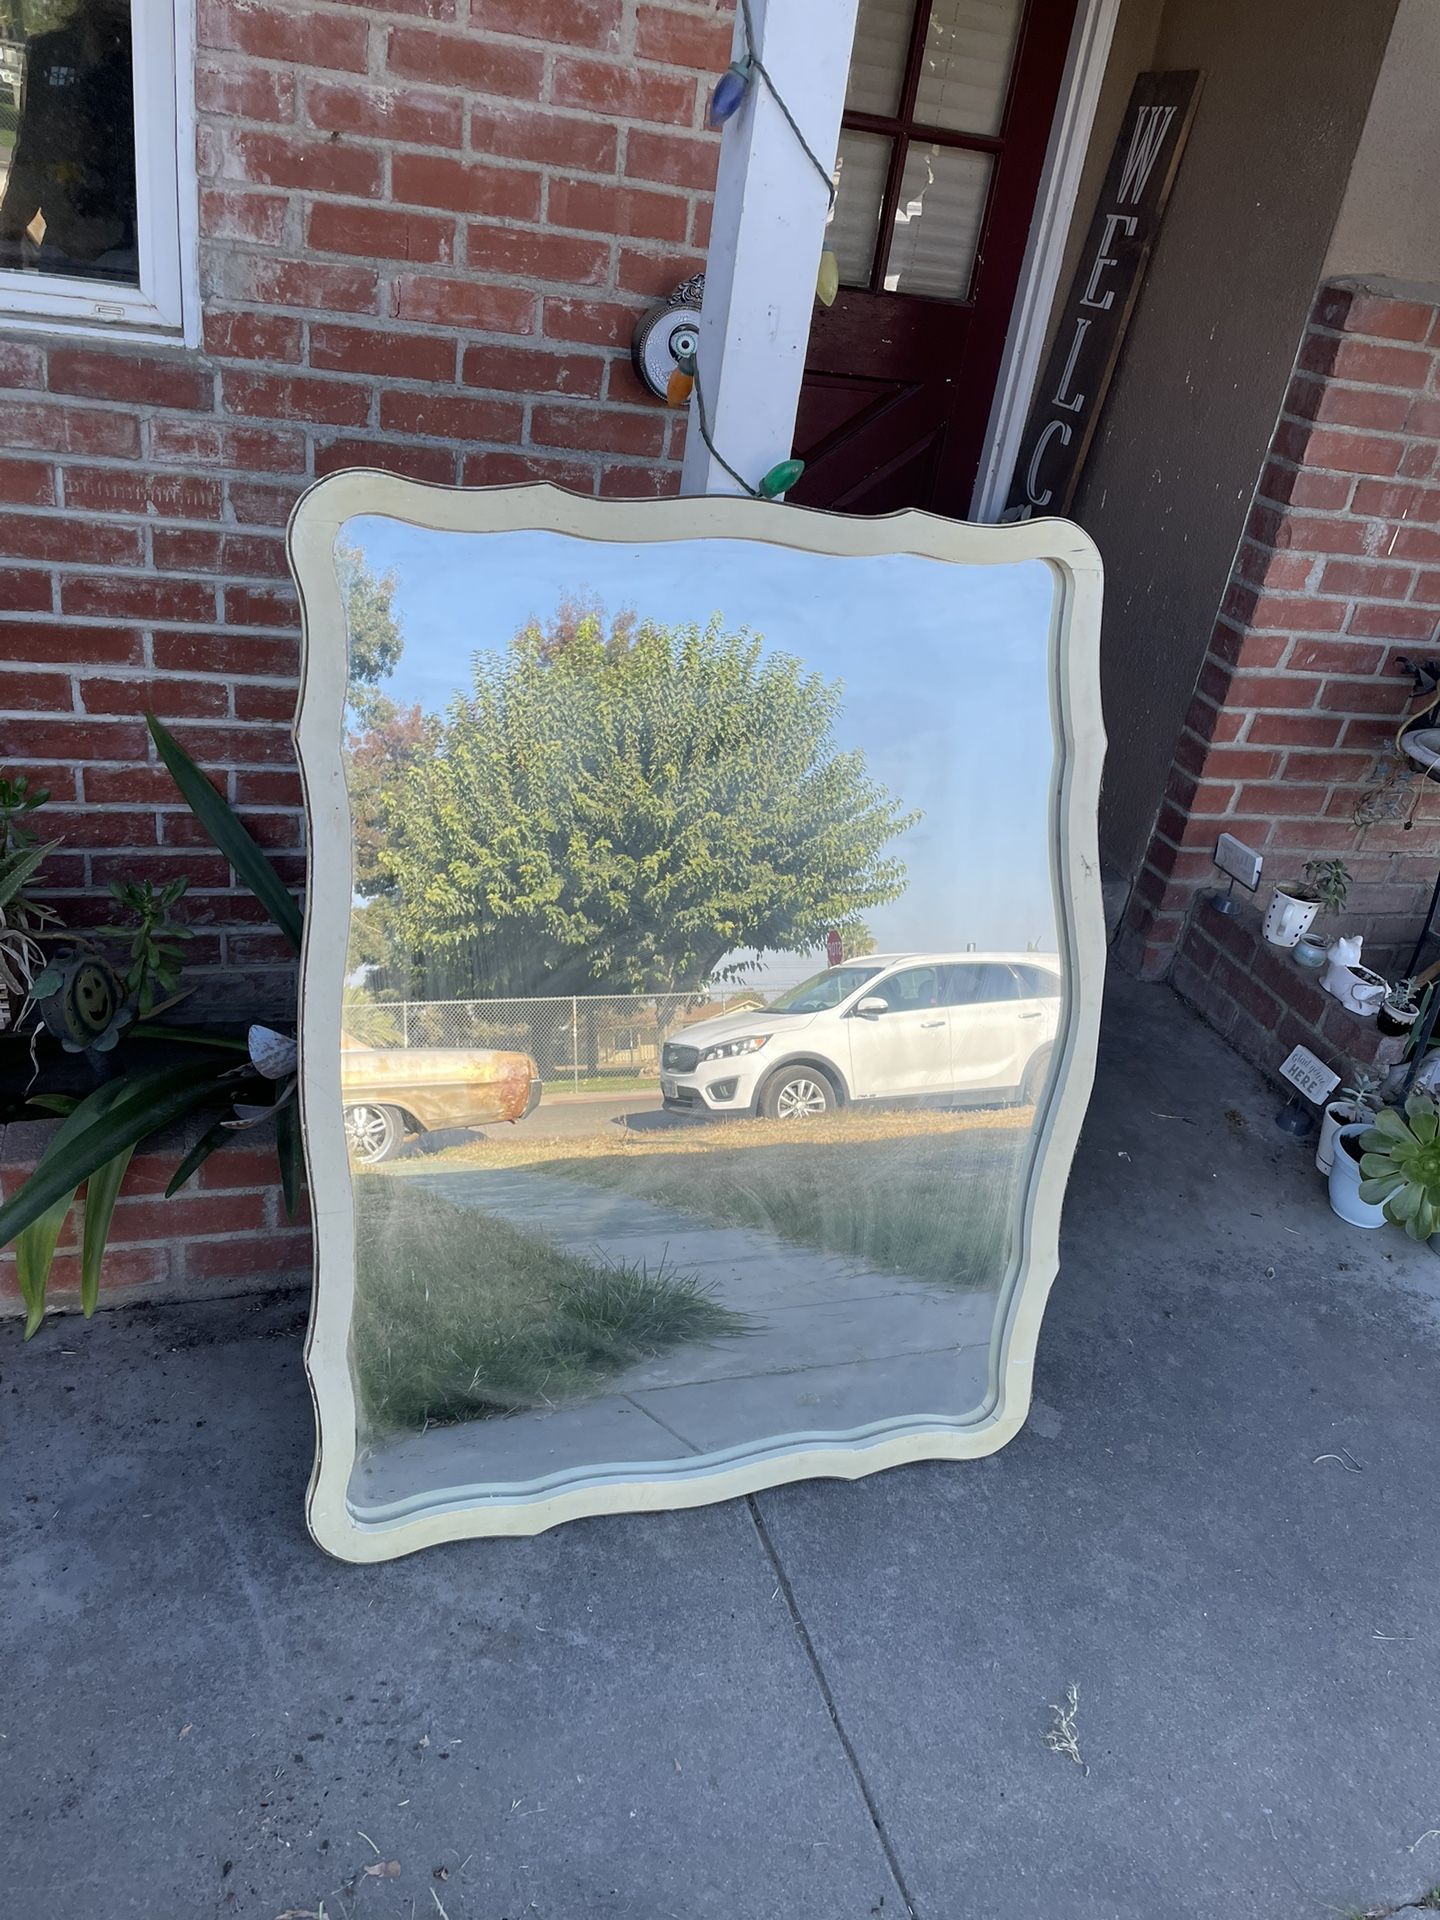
(729, 94)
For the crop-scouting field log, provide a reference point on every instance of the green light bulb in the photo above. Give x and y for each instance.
(781, 478)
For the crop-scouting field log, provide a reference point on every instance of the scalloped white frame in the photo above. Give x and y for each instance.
(462, 1513)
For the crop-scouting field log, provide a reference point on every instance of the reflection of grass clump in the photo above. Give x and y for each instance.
(458, 1314)
(931, 1195)
(938, 1210)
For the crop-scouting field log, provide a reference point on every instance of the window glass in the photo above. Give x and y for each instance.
(861, 165)
(1038, 983)
(911, 989)
(969, 47)
(972, 982)
(877, 57)
(823, 990)
(67, 140)
(937, 221)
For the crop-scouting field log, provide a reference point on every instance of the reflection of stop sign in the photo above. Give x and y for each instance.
(834, 952)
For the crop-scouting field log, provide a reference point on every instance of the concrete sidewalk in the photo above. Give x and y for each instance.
(827, 1703)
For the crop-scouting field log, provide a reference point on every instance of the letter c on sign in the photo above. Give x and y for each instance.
(1032, 475)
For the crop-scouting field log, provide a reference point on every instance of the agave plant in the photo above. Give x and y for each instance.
(1400, 1165)
(89, 1005)
(23, 921)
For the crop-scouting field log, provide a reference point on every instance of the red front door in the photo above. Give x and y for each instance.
(947, 118)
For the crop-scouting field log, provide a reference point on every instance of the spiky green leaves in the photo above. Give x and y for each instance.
(1400, 1168)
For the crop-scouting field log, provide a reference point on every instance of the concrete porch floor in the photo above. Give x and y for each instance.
(827, 1703)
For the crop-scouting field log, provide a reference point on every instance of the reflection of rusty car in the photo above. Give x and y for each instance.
(391, 1091)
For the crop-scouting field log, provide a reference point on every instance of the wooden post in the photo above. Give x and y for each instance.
(766, 240)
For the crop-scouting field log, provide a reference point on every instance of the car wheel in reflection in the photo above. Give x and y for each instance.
(1035, 1077)
(374, 1134)
(797, 1093)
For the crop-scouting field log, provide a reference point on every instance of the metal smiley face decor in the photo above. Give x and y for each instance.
(700, 991)
(667, 333)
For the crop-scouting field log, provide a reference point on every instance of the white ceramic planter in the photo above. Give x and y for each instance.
(1356, 988)
(1286, 918)
(1337, 1114)
(1345, 1182)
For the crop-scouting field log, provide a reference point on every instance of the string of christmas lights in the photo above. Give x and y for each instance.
(726, 99)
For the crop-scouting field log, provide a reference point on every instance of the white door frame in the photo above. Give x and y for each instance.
(768, 230)
(1044, 253)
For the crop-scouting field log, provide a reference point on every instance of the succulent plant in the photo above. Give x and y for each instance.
(1328, 882)
(1364, 1094)
(1400, 1165)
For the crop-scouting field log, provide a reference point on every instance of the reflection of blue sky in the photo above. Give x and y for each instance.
(944, 672)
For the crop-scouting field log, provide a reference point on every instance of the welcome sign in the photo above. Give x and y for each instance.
(1102, 296)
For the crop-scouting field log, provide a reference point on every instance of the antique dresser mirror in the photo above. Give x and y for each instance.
(701, 979)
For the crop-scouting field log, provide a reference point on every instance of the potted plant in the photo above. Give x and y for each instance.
(1400, 1166)
(1399, 1010)
(1358, 1101)
(1328, 881)
(102, 996)
(1346, 1196)
(1292, 908)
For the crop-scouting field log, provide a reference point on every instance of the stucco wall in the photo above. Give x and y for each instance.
(1389, 221)
(1183, 437)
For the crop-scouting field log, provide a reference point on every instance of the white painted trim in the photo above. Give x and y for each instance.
(1044, 253)
(166, 305)
(767, 235)
(468, 1512)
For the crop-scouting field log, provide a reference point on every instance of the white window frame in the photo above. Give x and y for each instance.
(166, 304)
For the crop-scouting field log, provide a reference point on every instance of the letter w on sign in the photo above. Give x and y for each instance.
(1102, 296)
(1151, 127)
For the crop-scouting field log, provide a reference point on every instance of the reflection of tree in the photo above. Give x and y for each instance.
(617, 808)
(372, 629)
(383, 738)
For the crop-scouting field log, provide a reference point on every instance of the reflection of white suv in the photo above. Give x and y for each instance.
(935, 1027)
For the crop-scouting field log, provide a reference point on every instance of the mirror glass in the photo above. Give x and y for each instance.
(702, 986)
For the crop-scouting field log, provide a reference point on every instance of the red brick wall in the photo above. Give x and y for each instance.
(224, 1233)
(427, 228)
(1337, 575)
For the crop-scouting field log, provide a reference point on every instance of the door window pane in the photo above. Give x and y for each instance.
(974, 982)
(877, 58)
(860, 169)
(937, 221)
(67, 140)
(911, 990)
(969, 47)
(1037, 984)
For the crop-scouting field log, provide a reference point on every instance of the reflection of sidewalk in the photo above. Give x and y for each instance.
(836, 1345)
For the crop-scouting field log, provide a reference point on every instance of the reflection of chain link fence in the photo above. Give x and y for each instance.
(585, 1040)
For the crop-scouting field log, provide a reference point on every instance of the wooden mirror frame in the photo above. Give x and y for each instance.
(1074, 780)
